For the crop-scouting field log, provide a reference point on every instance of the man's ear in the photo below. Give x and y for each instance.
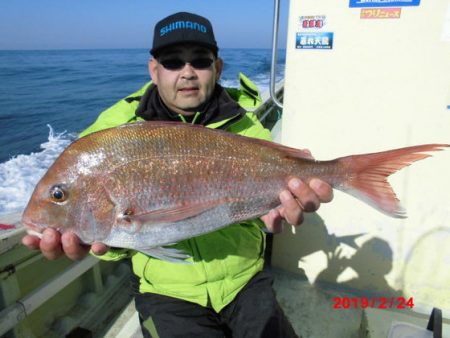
(219, 68)
(153, 70)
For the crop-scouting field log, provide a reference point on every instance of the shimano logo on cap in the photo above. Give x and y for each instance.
(182, 25)
(182, 28)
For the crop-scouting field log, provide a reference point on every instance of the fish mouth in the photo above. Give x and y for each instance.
(33, 228)
(34, 233)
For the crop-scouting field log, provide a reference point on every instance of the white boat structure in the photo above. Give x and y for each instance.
(358, 78)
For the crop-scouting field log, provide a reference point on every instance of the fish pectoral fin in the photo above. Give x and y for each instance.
(168, 254)
(171, 215)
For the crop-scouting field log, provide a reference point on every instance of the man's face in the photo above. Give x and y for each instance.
(185, 77)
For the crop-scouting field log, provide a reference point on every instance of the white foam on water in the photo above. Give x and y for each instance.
(19, 175)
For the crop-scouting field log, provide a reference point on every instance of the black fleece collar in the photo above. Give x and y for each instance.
(219, 108)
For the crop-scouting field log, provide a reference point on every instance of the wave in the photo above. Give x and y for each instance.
(19, 175)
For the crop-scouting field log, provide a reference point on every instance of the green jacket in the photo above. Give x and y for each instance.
(225, 260)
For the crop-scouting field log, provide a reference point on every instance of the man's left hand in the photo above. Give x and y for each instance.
(301, 197)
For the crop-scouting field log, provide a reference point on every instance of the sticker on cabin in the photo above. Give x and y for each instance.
(314, 40)
(312, 21)
(383, 3)
(381, 13)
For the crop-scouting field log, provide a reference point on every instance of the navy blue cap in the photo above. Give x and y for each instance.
(183, 27)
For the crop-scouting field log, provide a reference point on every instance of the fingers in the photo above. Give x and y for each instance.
(273, 221)
(99, 248)
(32, 242)
(298, 199)
(322, 189)
(303, 194)
(54, 245)
(290, 209)
(72, 246)
(50, 244)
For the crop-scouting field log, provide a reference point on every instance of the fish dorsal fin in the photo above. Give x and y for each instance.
(171, 215)
(291, 152)
(296, 153)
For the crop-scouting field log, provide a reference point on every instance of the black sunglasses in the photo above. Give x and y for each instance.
(177, 64)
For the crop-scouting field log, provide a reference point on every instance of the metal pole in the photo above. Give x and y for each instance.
(276, 20)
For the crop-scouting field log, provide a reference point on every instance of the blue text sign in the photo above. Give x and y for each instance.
(314, 40)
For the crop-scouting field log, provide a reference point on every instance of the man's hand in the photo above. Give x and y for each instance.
(54, 245)
(300, 198)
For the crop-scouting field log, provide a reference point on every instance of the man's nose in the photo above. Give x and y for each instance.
(188, 71)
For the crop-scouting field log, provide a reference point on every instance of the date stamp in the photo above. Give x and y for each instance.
(373, 302)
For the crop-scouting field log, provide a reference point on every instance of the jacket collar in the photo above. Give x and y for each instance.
(220, 111)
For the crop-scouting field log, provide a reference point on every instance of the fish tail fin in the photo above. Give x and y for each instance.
(368, 175)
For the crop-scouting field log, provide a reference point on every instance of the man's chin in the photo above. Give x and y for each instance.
(190, 109)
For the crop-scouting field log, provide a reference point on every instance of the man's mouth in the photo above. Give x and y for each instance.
(188, 89)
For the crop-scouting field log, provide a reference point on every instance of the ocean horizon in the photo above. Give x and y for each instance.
(49, 96)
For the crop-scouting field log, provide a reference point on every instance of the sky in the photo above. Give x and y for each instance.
(86, 24)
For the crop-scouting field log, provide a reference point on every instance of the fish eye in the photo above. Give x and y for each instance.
(58, 193)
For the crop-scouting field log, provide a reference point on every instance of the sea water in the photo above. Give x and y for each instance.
(48, 97)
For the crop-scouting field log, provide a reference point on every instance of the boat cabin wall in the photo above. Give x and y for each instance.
(362, 80)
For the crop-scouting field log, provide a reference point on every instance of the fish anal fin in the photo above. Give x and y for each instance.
(167, 254)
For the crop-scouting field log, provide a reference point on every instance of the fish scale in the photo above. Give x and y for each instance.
(144, 185)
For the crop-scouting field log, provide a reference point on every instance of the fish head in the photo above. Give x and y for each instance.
(70, 197)
(52, 204)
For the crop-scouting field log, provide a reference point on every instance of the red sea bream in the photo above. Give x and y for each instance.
(149, 184)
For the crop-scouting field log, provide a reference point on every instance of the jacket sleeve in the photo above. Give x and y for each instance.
(250, 126)
(249, 98)
(114, 254)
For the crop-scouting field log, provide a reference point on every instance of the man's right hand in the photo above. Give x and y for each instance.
(54, 245)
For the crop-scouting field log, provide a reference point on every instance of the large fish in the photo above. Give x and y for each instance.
(149, 184)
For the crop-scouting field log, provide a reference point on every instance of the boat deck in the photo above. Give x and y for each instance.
(311, 312)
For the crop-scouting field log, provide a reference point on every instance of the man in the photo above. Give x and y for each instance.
(224, 292)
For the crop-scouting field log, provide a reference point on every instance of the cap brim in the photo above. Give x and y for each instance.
(159, 49)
